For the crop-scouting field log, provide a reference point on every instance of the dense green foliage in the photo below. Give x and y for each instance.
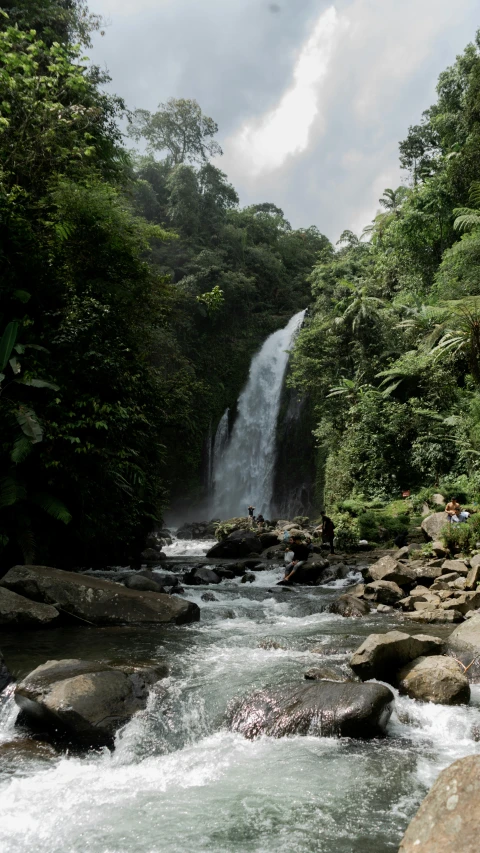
(390, 352)
(132, 295)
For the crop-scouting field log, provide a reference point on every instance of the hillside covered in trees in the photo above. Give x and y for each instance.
(390, 352)
(133, 293)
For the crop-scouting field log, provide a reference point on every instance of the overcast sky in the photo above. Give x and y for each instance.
(311, 96)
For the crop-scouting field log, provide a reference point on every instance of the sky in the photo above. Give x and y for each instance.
(311, 96)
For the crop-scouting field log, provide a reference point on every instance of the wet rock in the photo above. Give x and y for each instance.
(315, 572)
(5, 675)
(225, 574)
(83, 701)
(388, 569)
(209, 596)
(142, 584)
(201, 575)
(322, 708)
(433, 525)
(384, 608)
(382, 655)
(349, 605)
(240, 543)
(97, 601)
(248, 577)
(16, 612)
(384, 592)
(437, 679)
(447, 820)
(324, 673)
(270, 643)
(358, 590)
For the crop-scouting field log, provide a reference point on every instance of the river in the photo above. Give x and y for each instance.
(180, 782)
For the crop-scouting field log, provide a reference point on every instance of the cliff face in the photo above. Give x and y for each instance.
(295, 470)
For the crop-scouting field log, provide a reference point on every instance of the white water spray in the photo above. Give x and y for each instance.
(243, 474)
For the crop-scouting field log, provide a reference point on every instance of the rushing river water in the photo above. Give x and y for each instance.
(180, 782)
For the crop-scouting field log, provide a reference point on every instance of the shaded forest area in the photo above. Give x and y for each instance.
(390, 353)
(134, 291)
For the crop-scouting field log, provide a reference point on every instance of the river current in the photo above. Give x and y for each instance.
(180, 782)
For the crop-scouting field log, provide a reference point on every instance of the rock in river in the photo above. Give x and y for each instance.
(350, 605)
(447, 820)
(240, 543)
(464, 641)
(83, 701)
(16, 611)
(438, 679)
(97, 601)
(322, 708)
(381, 655)
(5, 676)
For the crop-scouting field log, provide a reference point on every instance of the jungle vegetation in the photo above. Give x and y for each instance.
(390, 351)
(133, 293)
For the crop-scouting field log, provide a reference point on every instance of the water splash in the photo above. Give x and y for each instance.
(243, 474)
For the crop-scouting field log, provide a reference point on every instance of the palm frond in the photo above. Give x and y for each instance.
(21, 448)
(11, 491)
(53, 506)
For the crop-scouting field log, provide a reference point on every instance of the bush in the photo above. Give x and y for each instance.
(462, 537)
(377, 526)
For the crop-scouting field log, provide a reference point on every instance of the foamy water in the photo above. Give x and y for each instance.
(180, 782)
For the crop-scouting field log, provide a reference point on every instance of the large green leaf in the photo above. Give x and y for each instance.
(11, 491)
(55, 507)
(29, 424)
(21, 449)
(39, 383)
(7, 342)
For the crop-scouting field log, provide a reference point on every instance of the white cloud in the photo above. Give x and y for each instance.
(264, 144)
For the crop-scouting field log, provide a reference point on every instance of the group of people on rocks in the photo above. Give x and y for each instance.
(298, 547)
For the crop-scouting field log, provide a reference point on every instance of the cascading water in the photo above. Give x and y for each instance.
(243, 474)
(221, 438)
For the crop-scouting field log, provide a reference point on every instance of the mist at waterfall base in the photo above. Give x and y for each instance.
(179, 781)
(244, 468)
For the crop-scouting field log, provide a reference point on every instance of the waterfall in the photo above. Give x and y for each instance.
(244, 473)
(221, 439)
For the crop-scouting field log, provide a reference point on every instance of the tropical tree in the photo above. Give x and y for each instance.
(178, 127)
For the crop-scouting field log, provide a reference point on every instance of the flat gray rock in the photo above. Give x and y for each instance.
(433, 525)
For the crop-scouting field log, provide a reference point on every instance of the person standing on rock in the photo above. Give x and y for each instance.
(328, 529)
(251, 510)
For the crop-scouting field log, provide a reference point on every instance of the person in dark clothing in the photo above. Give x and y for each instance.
(401, 540)
(260, 520)
(251, 510)
(328, 528)
(301, 553)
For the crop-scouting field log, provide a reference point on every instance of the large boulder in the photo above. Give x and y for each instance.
(83, 701)
(350, 605)
(381, 655)
(464, 641)
(268, 539)
(142, 584)
(437, 679)
(16, 611)
(238, 544)
(433, 525)
(384, 592)
(313, 572)
(201, 575)
(322, 708)
(96, 601)
(389, 569)
(447, 820)
(428, 617)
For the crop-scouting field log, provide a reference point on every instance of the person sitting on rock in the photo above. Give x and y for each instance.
(301, 553)
(260, 520)
(455, 512)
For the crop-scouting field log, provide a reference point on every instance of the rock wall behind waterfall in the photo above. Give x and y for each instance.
(294, 489)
